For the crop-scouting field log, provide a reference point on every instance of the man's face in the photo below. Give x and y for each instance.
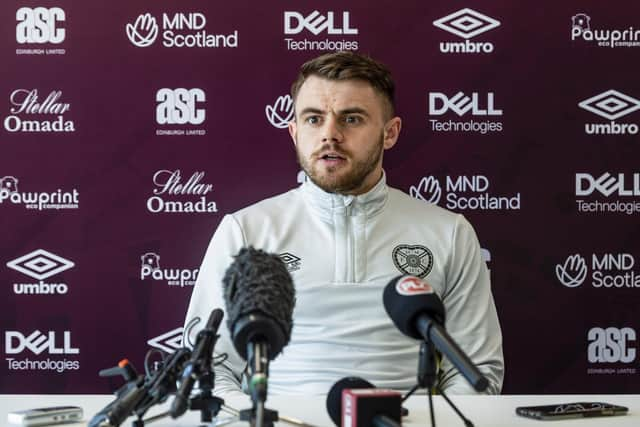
(340, 131)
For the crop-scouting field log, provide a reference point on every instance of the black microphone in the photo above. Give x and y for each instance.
(417, 311)
(259, 297)
(200, 357)
(162, 382)
(119, 410)
(365, 404)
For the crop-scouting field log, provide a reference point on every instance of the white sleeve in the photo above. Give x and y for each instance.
(208, 295)
(471, 317)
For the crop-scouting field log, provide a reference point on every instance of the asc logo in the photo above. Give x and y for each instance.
(179, 106)
(611, 345)
(40, 25)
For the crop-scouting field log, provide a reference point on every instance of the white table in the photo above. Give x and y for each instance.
(487, 411)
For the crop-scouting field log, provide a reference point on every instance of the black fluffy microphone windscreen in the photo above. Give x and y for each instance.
(259, 296)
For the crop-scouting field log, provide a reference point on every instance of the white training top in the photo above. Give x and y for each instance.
(342, 251)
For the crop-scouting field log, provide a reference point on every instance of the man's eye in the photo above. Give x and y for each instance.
(312, 120)
(352, 120)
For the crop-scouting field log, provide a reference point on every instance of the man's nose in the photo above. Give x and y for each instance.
(331, 130)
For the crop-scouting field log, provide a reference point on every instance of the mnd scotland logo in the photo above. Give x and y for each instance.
(178, 107)
(180, 30)
(461, 104)
(172, 195)
(56, 200)
(620, 187)
(280, 113)
(150, 270)
(466, 23)
(28, 114)
(40, 265)
(581, 30)
(608, 270)
(611, 105)
(40, 26)
(331, 23)
(463, 193)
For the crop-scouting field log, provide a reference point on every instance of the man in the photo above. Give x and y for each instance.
(352, 234)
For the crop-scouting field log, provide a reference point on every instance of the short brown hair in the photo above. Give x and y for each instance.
(349, 66)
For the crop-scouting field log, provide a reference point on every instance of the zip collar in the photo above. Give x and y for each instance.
(330, 204)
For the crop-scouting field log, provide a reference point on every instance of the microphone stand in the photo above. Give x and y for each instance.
(427, 378)
(205, 402)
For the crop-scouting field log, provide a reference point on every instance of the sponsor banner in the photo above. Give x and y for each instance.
(608, 193)
(281, 112)
(466, 24)
(611, 351)
(178, 30)
(319, 31)
(40, 351)
(177, 107)
(480, 106)
(40, 31)
(150, 269)
(30, 111)
(40, 265)
(56, 200)
(174, 195)
(464, 192)
(584, 30)
(611, 105)
(175, 339)
(169, 341)
(602, 270)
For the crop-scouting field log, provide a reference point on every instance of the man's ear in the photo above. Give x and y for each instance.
(391, 132)
(292, 131)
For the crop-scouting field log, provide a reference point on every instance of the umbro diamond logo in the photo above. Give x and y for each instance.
(466, 23)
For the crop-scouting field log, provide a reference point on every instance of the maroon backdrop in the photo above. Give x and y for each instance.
(129, 130)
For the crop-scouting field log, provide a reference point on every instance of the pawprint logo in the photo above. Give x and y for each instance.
(144, 31)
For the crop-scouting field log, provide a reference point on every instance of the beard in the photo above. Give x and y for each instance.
(342, 179)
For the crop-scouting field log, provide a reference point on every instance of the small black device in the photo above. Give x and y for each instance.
(571, 410)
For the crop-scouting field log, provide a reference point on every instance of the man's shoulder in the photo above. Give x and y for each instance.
(405, 204)
(271, 205)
